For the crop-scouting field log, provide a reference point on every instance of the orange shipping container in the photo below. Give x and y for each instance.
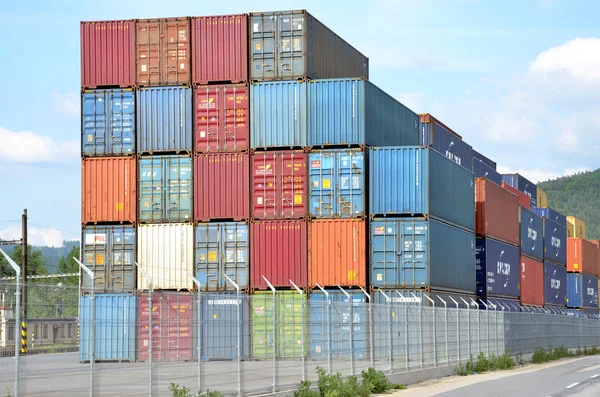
(582, 256)
(108, 190)
(337, 253)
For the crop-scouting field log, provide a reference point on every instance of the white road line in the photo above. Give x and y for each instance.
(572, 385)
(594, 376)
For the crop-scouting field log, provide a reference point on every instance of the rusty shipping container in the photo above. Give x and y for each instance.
(278, 251)
(279, 185)
(496, 212)
(220, 49)
(107, 54)
(108, 187)
(337, 253)
(524, 200)
(163, 52)
(221, 118)
(532, 282)
(582, 256)
(221, 187)
(172, 327)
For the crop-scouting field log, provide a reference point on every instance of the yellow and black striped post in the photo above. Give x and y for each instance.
(23, 337)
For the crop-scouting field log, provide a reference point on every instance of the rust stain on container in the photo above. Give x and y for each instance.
(221, 186)
(532, 282)
(163, 52)
(496, 212)
(220, 49)
(107, 54)
(524, 200)
(109, 190)
(582, 256)
(428, 118)
(337, 253)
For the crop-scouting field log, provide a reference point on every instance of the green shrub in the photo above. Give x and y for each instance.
(505, 362)
(182, 391)
(541, 356)
(461, 370)
(304, 390)
(376, 381)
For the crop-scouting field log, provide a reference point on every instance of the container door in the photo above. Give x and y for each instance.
(179, 191)
(94, 123)
(177, 328)
(122, 273)
(234, 253)
(292, 185)
(95, 250)
(351, 186)
(322, 184)
(263, 328)
(291, 46)
(236, 109)
(384, 255)
(289, 316)
(413, 253)
(207, 119)
(219, 326)
(208, 246)
(151, 189)
(148, 53)
(265, 185)
(121, 137)
(176, 47)
(263, 64)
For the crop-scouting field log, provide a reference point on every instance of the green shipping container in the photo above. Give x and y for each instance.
(287, 329)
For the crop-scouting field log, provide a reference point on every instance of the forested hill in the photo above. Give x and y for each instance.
(577, 195)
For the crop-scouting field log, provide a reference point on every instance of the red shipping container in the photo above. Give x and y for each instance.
(582, 256)
(532, 282)
(496, 212)
(337, 253)
(163, 52)
(524, 200)
(108, 187)
(221, 115)
(172, 327)
(278, 251)
(221, 187)
(220, 49)
(279, 185)
(107, 54)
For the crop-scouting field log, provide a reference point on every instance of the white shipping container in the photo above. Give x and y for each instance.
(166, 252)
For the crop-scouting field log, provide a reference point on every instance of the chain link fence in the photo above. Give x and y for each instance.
(253, 344)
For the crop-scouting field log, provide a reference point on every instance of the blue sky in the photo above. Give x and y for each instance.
(520, 81)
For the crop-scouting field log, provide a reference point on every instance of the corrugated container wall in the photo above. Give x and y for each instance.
(542, 198)
(415, 180)
(532, 282)
(108, 122)
(288, 45)
(480, 157)
(480, 170)
(109, 251)
(523, 185)
(279, 187)
(551, 214)
(220, 326)
(582, 256)
(582, 291)
(555, 284)
(497, 212)
(419, 253)
(532, 234)
(337, 253)
(221, 118)
(163, 52)
(445, 141)
(497, 266)
(220, 49)
(576, 227)
(222, 248)
(165, 189)
(221, 186)
(166, 253)
(524, 200)
(337, 186)
(278, 251)
(114, 327)
(164, 120)
(173, 336)
(555, 242)
(107, 54)
(108, 190)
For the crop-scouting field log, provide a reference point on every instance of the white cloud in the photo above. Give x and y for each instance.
(68, 104)
(578, 58)
(28, 147)
(412, 100)
(36, 236)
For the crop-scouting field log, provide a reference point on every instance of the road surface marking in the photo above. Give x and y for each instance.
(594, 376)
(572, 385)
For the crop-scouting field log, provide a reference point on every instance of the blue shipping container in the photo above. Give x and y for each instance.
(114, 330)
(416, 180)
(419, 253)
(108, 122)
(338, 322)
(498, 268)
(222, 248)
(165, 189)
(523, 185)
(446, 143)
(164, 120)
(555, 242)
(483, 159)
(219, 326)
(337, 183)
(500, 304)
(480, 170)
(532, 234)
(582, 291)
(109, 251)
(555, 284)
(549, 213)
(420, 297)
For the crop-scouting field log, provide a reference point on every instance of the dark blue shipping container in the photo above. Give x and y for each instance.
(480, 157)
(337, 183)
(555, 284)
(416, 180)
(523, 185)
(420, 297)
(446, 143)
(555, 242)
(420, 253)
(582, 291)
(337, 322)
(532, 234)
(500, 304)
(219, 326)
(498, 268)
(108, 122)
(480, 170)
(551, 214)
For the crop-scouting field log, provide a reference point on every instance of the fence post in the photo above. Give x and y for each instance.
(457, 327)
(302, 325)
(329, 368)
(406, 338)
(351, 321)
(17, 270)
(92, 341)
(446, 329)
(487, 316)
(274, 358)
(198, 325)
(434, 332)
(371, 328)
(239, 333)
(420, 328)
(390, 339)
(149, 279)
(469, 326)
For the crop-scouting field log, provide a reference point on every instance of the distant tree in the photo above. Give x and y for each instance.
(68, 265)
(35, 262)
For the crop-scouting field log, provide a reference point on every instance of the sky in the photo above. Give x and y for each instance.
(519, 80)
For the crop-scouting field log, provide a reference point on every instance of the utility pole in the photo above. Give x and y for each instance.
(24, 283)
